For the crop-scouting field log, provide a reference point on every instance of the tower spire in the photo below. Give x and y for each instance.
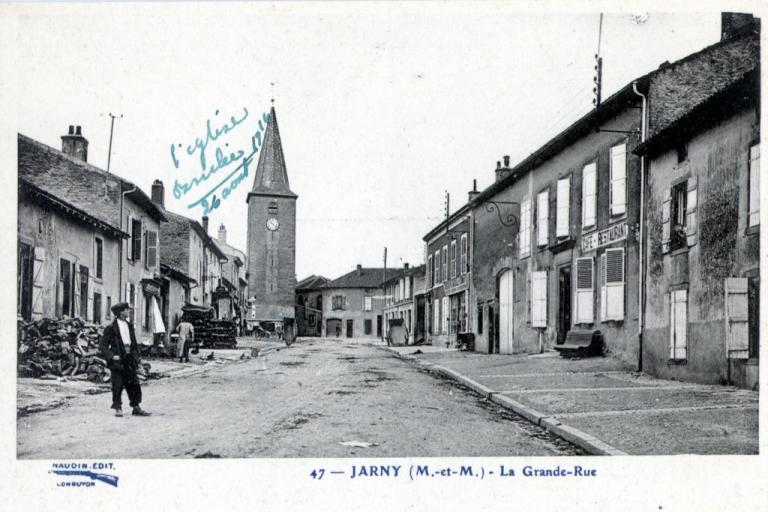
(271, 177)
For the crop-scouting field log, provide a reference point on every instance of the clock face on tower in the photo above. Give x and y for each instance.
(272, 224)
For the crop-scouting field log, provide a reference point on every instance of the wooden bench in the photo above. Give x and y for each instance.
(582, 343)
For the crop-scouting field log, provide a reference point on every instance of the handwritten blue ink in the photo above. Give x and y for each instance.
(211, 134)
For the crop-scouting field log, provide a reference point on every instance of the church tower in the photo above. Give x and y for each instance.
(271, 234)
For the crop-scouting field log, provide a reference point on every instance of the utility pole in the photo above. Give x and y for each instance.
(111, 131)
(384, 298)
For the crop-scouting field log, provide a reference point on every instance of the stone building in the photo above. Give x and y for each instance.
(87, 239)
(271, 250)
(233, 292)
(352, 304)
(309, 305)
(703, 161)
(404, 292)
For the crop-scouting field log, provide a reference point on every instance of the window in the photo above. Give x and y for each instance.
(679, 216)
(446, 315)
(96, 308)
(368, 303)
(464, 258)
(479, 319)
(99, 257)
(83, 289)
(338, 302)
(737, 318)
(272, 209)
(589, 196)
(436, 323)
(682, 153)
(525, 228)
(311, 319)
(368, 326)
(754, 185)
(678, 324)
(539, 299)
(563, 219)
(618, 193)
(584, 291)
(108, 311)
(542, 210)
(445, 263)
(134, 252)
(437, 268)
(611, 278)
(453, 259)
(66, 288)
(430, 270)
(150, 258)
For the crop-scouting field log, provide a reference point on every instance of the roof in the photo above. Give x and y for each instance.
(175, 239)
(78, 183)
(400, 272)
(686, 95)
(271, 177)
(232, 252)
(443, 224)
(175, 273)
(364, 277)
(312, 282)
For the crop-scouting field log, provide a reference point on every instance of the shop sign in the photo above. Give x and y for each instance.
(151, 288)
(456, 284)
(615, 233)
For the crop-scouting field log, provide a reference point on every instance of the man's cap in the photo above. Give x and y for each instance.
(120, 306)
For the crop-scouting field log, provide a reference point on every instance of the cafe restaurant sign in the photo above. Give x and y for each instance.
(598, 239)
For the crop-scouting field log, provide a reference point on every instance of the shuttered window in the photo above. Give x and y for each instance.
(453, 259)
(525, 228)
(612, 279)
(618, 179)
(436, 323)
(754, 185)
(430, 272)
(589, 196)
(584, 290)
(150, 259)
(539, 299)
(445, 263)
(666, 206)
(446, 316)
(737, 317)
(464, 254)
(563, 220)
(691, 211)
(678, 324)
(437, 268)
(38, 282)
(99, 257)
(543, 218)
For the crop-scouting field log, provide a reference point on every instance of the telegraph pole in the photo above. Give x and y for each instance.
(111, 131)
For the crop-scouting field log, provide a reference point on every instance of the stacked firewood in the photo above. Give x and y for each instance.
(210, 332)
(64, 348)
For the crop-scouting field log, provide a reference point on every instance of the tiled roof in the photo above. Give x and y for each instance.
(312, 282)
(78, 183)
(678, 88)
(362, 278)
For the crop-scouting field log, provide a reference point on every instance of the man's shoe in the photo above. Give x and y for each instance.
(119, 412)
(138, 411)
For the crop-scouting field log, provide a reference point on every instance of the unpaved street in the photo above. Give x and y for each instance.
(310, 398)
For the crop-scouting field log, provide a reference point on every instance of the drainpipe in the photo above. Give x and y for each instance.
(641, 263)
(120, 247)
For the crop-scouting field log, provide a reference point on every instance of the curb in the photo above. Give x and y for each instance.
(587, 442)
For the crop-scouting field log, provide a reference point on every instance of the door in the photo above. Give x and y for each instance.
(493, 340)
(25, 281)
(350, 330)
(506, 304)
(378, 326)
(563, 303)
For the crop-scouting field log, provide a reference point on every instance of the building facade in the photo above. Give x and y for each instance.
(404, 292)
(271, 234)
(231, 294)
(352, 304)
(703, 160)
(309, 305)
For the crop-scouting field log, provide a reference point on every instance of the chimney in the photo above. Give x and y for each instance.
(359, 270)
(222, 234)
(405, 266)
(205, 224)
(74, 144)
(503, 172)
(473, 193)
(158, 193)
(734, 24)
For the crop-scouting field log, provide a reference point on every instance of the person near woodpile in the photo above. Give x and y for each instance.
(186, 336)
(119, 347)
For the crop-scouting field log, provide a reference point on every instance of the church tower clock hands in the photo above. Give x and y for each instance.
(271, 237)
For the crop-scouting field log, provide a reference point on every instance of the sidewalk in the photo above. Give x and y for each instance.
(602, 405)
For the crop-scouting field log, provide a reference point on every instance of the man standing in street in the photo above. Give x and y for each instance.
(186, 336)
(119, 347)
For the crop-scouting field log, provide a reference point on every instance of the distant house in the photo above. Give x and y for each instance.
(352, 305)
(233, 279)
(309, 305)
(87, 239)
(404, 299)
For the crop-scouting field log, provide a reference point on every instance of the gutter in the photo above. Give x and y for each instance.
(641, 241)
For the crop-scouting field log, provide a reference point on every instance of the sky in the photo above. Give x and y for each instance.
(382, 108)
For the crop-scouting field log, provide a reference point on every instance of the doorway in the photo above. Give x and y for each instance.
(350, 328)
(506, 304)
(25, 281)
(564, 303)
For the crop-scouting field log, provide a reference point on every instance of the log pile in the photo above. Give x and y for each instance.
(50, 348)
(210, 332)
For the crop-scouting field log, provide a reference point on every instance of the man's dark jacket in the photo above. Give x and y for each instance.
(111, 344)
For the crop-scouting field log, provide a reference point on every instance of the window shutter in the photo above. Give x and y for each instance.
(563, 207)
(543, 223)
(678, 324)
(584, 290)
(539, 299)
(525, 228)
(603, 288)
(37, 283)
(446, 316)
(736, 318)
(589, 192)
(619, 179)
(665, 212)
(75, 304)
(690, 212)
(129, 241)
(754, 185)
(430, 271)
(614, 283)
(127, 293)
